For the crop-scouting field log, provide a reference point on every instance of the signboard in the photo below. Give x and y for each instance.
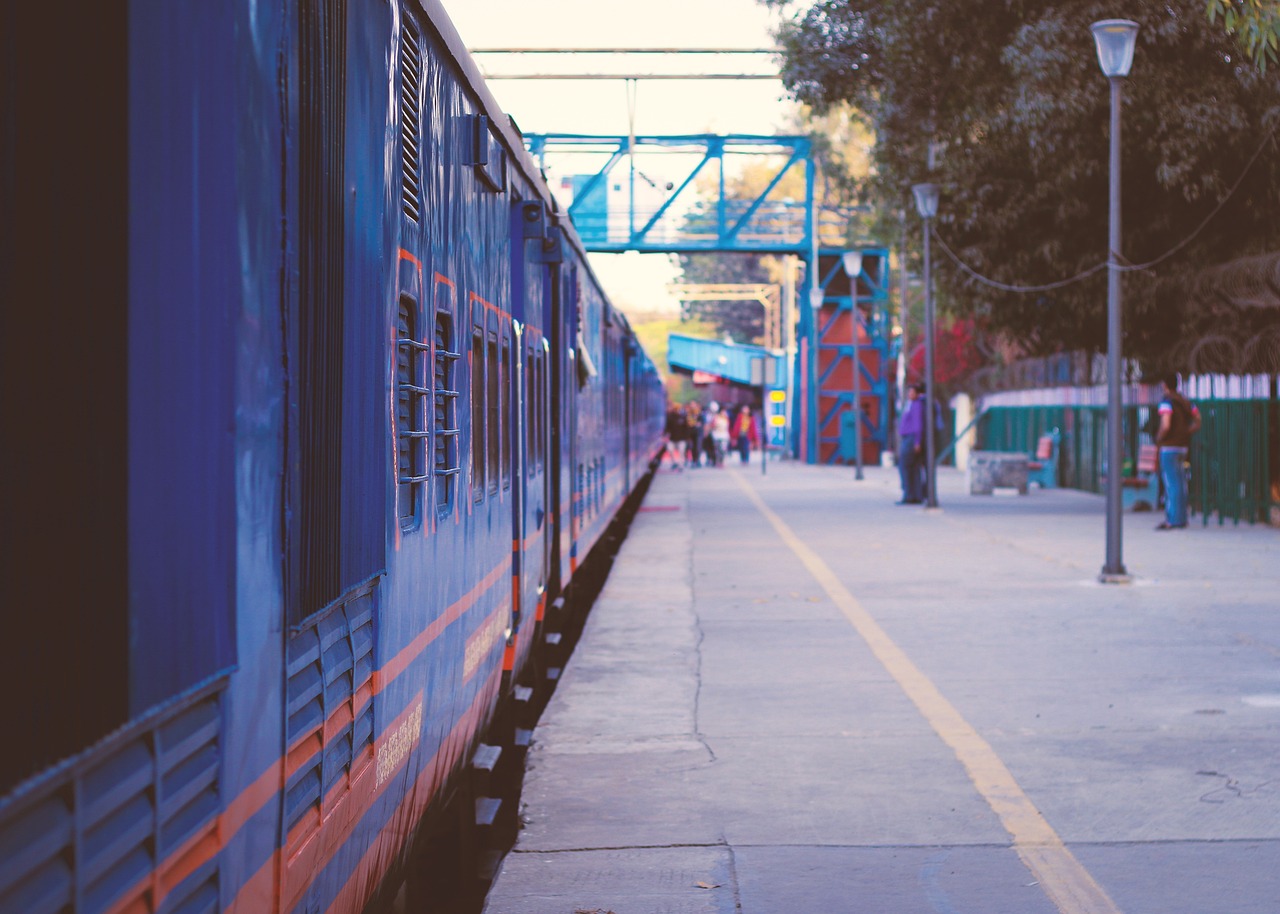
(705, 377)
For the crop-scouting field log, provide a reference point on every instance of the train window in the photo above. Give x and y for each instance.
(446, 464)
(504, 389)
(535, 411)
(411, 414)
(531, 408)
(477, 414)
(544, 416)
(492, 394)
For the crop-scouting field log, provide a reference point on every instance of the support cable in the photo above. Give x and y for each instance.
(1127, 268)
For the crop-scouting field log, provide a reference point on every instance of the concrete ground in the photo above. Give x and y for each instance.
(794, 695)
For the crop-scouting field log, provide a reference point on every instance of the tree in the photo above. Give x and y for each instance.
(1012, 120)
(742, 322)
(1255, 22)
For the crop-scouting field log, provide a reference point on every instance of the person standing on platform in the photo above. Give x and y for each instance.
(675, 439)
(692, 434)
(1179, 418)
(719, 434)
(744, 433)
(911, 448)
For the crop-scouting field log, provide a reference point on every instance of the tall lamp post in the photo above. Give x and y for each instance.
(816, 296)
(852, 261)
(1115, 40)
(927, 205)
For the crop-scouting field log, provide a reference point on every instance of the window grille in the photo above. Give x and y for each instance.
(411, 394)
(493, 392)
(477, 414)
(446, 464)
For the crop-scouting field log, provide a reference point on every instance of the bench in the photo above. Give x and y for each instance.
(991, 470)
(1042, 468)
(1141, 492)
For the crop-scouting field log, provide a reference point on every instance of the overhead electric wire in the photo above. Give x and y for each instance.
(1127, 268)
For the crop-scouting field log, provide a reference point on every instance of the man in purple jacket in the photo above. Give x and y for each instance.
(911, 447)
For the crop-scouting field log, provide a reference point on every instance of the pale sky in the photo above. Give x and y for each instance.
(601, 107)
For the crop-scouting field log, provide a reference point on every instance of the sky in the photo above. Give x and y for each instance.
(637, 282)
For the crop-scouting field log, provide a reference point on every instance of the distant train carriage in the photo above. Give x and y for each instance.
(314, 410)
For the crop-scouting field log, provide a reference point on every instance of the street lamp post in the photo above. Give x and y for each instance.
(1115, 42)
(852, 261)
(816, 296)
(927, 205)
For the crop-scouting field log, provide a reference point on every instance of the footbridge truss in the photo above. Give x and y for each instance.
(687, 194)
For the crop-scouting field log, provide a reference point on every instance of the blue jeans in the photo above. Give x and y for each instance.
(1175, 485)
(911, 469)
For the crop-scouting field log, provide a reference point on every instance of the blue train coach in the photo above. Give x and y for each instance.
(313, 411)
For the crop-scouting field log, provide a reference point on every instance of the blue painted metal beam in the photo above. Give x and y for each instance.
(608, 223)
(872, 294)
(730, 361)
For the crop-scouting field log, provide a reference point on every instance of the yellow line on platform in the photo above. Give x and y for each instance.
(1061, 876)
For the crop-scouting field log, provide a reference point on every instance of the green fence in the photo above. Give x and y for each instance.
(1235, 458)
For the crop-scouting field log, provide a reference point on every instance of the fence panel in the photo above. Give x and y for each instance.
(1231, 461)
(1235, 467)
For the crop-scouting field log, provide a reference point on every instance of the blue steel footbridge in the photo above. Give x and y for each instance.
(682, 194)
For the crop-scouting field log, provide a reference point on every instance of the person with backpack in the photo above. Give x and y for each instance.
(1179, 419)
(744, 433)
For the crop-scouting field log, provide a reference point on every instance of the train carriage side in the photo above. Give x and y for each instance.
(589, 419)
(360, 419)
(151, 656)
(646, 411)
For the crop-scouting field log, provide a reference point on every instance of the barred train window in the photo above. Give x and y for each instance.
(477, 414)
(411, 413)
(446, 464)
(493, 392)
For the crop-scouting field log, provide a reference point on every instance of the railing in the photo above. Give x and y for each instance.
(1235, 459)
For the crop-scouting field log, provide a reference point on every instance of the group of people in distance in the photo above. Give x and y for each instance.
(703, 437)
(694, 433)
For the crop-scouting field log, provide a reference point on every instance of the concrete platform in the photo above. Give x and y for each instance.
(796, 696)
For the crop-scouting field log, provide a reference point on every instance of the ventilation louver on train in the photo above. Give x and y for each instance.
(127, 826)
(330, 708)
(410, 121)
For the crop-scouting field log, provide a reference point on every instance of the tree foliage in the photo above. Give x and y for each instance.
(1012, 119)
(742, 322)
(1255, 22)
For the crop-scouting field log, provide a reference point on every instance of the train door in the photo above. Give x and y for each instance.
(530, 284)
(537, 547)
(562, 385)
(516, 430)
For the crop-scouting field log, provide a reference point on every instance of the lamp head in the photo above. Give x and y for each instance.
(926, 199)
(852, 261)
(816, 297)
(1115, 39)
